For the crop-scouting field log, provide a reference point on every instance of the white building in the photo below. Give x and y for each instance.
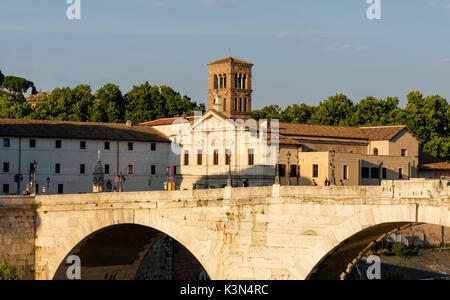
(66, 154)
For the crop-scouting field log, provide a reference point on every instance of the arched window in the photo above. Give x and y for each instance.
(244, 83)
(235, 104)
(240, 104)
(225, 81)
(216, 82)
(375, 151)
(221, 82)
(245, 105)
(236, 80)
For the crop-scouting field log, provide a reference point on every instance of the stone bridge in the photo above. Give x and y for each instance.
(287, 232)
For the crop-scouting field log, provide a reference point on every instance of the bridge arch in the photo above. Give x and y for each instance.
(117, 252)
(348, 241)
(82, 236)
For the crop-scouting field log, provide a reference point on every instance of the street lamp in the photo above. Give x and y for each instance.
(333, 177)
(48, 185)
(289, 167)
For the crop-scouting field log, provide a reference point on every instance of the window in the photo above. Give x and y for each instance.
(375, 173)
(82, 169)
(227, 157)
(384, 173)
(106, 169)
(404, 152)
(365, 172)
(130, 169)
(107, 146)
(174, 170)
(130, 146)
(199, 158)
(294, 171)
(345, 175)
(240, 104)
(32, 143)
(315, 173)
(375, 151)
(282, 170)
(186, 157)
(58, 168)
(400, 173)
(235, 104)
(6, 167)
(251, 157)
(245, 105)
(58, 144)
(153, 170)
(83, 145)
(6, 142)
(153, 146)
(60, 188)
(6, 188)
(216, 157)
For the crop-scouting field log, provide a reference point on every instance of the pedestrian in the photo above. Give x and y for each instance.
(314, 183)
(341, 183)
(327, 182)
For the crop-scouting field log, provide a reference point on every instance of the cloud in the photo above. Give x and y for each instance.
(159, 4)
(229, 3)
(445, 61)
(347, 48)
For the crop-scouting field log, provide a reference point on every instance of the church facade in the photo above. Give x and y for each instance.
(225, 143)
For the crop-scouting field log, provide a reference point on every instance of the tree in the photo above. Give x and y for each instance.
(147, 103)
(1, 77)
(16, 85)
(429, 119)
(375, 112)
(109, 105)
(271, 112)
(12, 109)
(8, 271)
(336, 110)
(298, 113)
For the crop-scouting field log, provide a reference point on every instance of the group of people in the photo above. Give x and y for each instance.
(326, 182)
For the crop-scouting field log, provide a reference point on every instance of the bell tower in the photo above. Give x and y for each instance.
(230, 88)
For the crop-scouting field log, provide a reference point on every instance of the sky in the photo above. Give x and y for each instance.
(304, 50)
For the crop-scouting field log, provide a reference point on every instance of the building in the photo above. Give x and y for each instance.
(66, 154)
(205, 151)
(225, 141)
(433, 168)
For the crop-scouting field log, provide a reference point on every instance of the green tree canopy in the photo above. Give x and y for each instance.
(16, 85)
(12, 109)
(375, 112)
(109, 105)
(336, 110)
(298, 113)
(8, 271)
(271, 112)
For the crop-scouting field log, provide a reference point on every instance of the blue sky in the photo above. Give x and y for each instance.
(303, 50)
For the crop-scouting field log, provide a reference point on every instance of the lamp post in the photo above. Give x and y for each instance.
(229, 179)
(333, 177)
(289, 167)
(33, 179)
(48, 185)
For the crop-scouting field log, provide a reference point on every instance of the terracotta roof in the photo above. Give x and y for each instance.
(230, 60)
(307, 130)
(33, 99)
(436, 166)
(79, 130)
(166, 121)
(382, 133)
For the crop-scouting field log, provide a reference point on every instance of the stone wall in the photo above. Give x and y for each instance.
(17, 231)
